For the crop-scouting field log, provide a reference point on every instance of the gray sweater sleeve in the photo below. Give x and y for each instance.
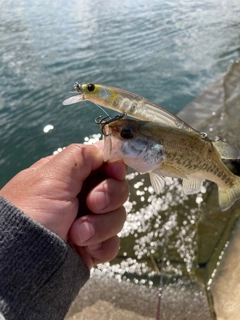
(40, 274)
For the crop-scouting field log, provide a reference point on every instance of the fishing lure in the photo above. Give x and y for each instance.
(127, 103)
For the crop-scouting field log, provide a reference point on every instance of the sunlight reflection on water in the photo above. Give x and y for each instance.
(150, 219)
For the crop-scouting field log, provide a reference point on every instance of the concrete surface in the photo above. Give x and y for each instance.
(103, 310)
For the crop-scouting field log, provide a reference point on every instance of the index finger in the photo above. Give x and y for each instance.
(116, 170)
(73, 165)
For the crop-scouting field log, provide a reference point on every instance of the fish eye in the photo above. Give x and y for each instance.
(91, 87)
(127, 133)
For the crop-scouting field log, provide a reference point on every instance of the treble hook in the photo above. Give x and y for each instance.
(217, 138)
(204, 135)
(100, 120)
(76, 86)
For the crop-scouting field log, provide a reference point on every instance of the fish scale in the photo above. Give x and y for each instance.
(185, 155)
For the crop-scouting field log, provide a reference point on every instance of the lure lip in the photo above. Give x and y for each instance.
(75, 99)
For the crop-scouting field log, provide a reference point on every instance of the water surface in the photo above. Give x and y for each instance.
(166, 51)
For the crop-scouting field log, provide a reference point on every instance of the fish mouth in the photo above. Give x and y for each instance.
(105, 121)
(106, 130)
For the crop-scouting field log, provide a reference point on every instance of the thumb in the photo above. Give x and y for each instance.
(73, 165)
(48, 192)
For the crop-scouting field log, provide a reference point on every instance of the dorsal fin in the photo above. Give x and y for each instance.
(226, 150)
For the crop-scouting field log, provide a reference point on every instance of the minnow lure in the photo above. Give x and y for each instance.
(128, 103)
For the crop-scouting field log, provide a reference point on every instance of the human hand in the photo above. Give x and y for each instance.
(56, 189)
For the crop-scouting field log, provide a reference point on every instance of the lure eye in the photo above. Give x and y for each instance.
(127, 133)
(91, 87)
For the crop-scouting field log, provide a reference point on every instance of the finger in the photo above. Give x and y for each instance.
(116, 170)
(42, 161)
(104, 252)
(93, 229)
(107, 196)
(73, 165)
(99, 144)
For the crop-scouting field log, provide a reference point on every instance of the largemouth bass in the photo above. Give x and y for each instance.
(161, 151)
(128, 103)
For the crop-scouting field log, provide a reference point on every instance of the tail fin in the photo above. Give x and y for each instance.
(227, 197)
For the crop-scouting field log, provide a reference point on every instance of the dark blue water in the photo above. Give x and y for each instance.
(166, 51)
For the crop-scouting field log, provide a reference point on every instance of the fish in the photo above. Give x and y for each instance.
(128, 103)
(164, 151)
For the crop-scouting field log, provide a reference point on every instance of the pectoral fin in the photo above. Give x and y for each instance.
(157, 181)
(191, 186)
